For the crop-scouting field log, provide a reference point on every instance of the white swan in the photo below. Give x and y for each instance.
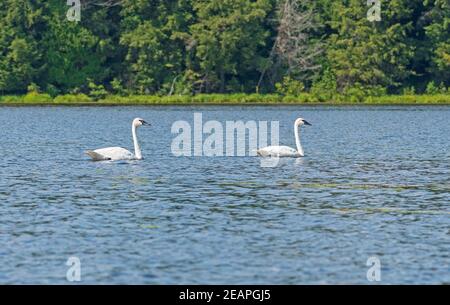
(119, 153)
(286, 151)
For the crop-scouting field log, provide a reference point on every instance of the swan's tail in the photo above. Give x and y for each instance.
(255, 152)
(95, 156)
(261, 153)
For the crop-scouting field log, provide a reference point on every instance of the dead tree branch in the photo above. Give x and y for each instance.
(292, 45)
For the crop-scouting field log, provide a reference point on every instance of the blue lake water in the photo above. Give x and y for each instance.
(375, 182)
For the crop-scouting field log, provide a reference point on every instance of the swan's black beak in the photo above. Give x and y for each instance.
(307, 123)
(144, 123)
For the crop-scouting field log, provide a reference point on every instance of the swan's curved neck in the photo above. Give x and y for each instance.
(297, 141)
(137, 148)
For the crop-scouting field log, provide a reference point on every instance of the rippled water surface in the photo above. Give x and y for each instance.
(374, 182)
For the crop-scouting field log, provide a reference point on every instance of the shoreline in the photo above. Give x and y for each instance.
(18, 105)
(38, 99)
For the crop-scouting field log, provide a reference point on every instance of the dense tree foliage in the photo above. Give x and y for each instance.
(203, 46)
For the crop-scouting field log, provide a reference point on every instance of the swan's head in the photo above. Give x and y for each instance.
(140, 122)
(301, 122)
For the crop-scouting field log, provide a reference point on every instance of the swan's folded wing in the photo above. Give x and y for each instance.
(277, 151)
(96, 156)
(114, 154)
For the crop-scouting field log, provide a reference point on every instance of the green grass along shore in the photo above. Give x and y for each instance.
(38, 99)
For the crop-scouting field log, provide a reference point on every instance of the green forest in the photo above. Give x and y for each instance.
(308, 50)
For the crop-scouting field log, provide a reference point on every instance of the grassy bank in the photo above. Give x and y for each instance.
(37, 99)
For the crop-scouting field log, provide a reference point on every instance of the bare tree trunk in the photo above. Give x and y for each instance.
(172, 87)
(292, 45)
(222, 81)
(202, 83)
(263, 73)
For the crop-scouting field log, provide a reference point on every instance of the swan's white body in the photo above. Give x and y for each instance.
(119, 153)
(286, 151)
(279, 151)
(111, 153)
